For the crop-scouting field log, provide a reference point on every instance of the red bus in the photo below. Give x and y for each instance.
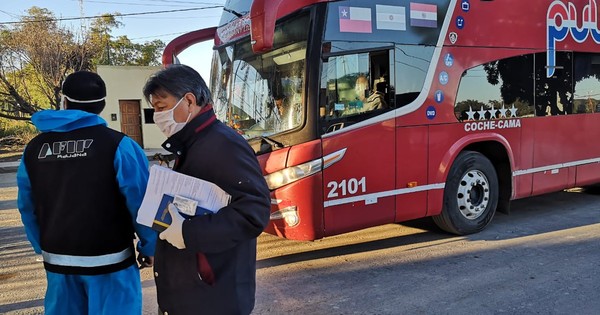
(365, 113)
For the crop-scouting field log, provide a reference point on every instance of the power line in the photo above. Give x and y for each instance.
(171, 18)
(167, 2)
(175, 1)
(141, 4)
(155, 36)
(10, 14)
(116, 15)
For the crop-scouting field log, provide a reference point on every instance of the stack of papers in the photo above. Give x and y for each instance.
(192, 195)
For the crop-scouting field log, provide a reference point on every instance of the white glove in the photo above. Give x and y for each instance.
(174, 233)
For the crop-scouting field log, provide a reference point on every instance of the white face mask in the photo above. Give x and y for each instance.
(166, 122)
(64, 98)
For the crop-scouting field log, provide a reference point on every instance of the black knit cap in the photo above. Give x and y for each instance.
(83, 86)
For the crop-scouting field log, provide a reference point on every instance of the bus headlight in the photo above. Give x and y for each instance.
(292, 174)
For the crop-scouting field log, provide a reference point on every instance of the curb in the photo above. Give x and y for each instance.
(9, 167)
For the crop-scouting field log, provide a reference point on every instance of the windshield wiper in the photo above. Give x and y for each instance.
(272, 144)
(239, 15)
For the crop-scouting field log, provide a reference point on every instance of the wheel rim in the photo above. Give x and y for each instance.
(473, 194)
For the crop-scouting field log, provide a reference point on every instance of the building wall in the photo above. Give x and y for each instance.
(126, 83)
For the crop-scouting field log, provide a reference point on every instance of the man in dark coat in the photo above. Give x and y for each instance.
(207, 264)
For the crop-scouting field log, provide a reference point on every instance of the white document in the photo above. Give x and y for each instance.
(166, 181)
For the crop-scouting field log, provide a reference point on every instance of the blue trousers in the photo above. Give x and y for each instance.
(114, 293)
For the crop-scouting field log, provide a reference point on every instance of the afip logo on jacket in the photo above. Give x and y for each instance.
(65, 149)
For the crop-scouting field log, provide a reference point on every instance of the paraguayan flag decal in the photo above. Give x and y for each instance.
(423, 15)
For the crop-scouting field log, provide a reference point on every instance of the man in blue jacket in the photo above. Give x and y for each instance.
(80, 186)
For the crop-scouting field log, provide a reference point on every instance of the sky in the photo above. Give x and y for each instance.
(141, 26)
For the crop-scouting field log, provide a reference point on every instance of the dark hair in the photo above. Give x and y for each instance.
(178, 80)
(81, 87)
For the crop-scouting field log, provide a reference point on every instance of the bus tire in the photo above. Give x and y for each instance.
(470, 196)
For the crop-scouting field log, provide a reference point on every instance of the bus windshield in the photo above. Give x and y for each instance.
(260, 95)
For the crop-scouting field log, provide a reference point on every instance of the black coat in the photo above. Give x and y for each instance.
(216, 273)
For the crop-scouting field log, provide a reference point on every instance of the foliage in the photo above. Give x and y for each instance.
(20, 132)
(125, 53)
(37, 54)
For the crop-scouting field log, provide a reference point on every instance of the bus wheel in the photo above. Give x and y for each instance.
(470, 195)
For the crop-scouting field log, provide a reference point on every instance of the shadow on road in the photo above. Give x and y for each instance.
(21, 306)
(558, 210)
(368, 246)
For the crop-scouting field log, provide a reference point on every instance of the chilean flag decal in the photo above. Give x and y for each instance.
(423, 15)
(355, 20)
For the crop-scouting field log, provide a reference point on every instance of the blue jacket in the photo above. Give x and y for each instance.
(130, 163)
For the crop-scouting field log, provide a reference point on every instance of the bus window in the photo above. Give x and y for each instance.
(411, 65)
(503, 87)
(586, 71)
(574, 87)
(554, 95)
(354, 87)
(261, 95)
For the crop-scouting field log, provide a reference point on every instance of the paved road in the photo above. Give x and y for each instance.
(542, 259)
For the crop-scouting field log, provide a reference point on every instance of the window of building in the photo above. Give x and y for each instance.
(148, 115)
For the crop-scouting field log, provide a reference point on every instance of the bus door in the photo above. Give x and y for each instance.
(359, 147)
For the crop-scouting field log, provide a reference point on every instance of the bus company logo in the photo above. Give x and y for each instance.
(561, 20)
(65, 149)
(453, 37)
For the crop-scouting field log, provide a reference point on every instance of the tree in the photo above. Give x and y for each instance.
(120, 51)
(125, 53)
(37, 54)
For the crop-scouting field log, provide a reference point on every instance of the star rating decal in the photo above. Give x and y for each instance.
(481, 113)
(503, 112)
(493, 113)
(513, 111)
(471, 114)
